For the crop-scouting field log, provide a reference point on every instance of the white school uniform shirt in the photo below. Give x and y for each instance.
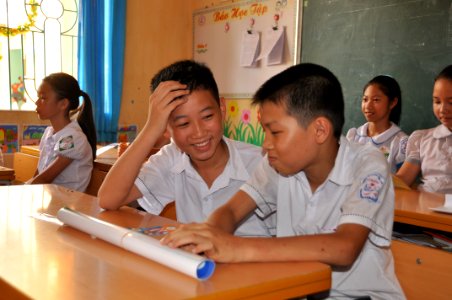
(72, 143)
(391, 142)
(169, 176)
(358, 190)
(432, 150)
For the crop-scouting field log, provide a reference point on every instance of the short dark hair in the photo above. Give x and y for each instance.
(308, 91)
(446, 73)
(390, 87)
(194, 74)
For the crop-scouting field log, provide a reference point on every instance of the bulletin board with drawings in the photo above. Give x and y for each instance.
(218, 38)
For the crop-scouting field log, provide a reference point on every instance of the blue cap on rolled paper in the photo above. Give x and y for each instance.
(205, 269)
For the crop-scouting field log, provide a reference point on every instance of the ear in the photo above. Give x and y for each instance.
(323, 129)
(223, 108)
(63, 104)
(167, 134)
(393, 103)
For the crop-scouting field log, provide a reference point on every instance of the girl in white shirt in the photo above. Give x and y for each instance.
(382, 106)
(67, 148)
(429, 151)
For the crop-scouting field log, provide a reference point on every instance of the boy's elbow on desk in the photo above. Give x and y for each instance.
(107, 200)
(112, 199)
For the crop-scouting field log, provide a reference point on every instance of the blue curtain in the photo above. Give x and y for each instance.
(101, 42)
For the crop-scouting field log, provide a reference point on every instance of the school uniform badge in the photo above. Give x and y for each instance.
(403, 146)
(66, 143)
(370, 187)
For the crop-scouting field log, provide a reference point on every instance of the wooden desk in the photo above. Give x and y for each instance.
(423, 272)
(6, 174)
(42, 260)
(413, 207)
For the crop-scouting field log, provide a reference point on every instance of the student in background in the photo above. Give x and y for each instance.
(382, 105)
(200, 169)
(334, 199)
(67, 147)
(429, 151)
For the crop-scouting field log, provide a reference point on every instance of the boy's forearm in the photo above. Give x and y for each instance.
(116, 186)
(332, 249)
(228, 216)
(223, 219)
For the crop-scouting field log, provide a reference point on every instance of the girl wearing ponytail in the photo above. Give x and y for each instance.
(68, 146)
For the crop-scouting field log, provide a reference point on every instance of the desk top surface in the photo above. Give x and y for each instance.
(42, 259)
(6, 171)
(413, 207)
(6, 174)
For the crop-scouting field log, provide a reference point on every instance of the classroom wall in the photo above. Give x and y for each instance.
(157, 34)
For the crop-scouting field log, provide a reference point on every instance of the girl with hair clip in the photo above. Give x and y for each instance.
(68, 147)
(382, 105)
(429, 151)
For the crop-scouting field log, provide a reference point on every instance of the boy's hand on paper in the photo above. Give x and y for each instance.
(203, 238)
(166, 97)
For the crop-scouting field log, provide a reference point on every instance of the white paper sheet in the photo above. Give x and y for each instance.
(273, 46)
(191, 264)
(249, 49)
(447, 207)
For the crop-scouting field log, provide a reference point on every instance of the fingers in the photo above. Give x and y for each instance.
(202, 239)
(169, 94)
(166, 97)
(187, 235)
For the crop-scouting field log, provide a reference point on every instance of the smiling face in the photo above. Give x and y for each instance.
(197, 128)
(442, 101)
(290, 147)
(376, 106)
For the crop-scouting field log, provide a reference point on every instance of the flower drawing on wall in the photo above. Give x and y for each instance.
(232, 108)
(239, 125)
(246, 116)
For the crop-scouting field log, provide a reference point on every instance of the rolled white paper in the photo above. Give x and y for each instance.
(188, 263)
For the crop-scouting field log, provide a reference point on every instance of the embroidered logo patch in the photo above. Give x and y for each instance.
(66, 143)
(370, 187)
(403, 146)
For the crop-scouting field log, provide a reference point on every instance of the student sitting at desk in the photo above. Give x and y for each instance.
(382, 106)
(200, 169)
(429, 151)
(67, 148)
(334, 199)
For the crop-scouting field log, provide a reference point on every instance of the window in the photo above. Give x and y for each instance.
(37, 38)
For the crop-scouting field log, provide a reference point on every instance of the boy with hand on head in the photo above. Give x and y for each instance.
(333, 199)
(200, 169)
